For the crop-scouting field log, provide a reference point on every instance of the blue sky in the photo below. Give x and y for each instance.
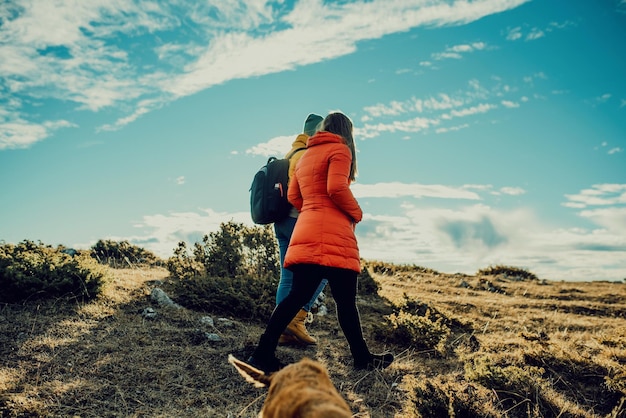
(488, 131)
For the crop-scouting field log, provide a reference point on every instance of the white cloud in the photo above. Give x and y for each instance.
(161, 233)
(457, 51)
(473, 237)
(481, 108)
(397, 189)
(463, 238)
(512, 191)
(394, 108)
(613, 219)
(598, 195)
(509, 104)
(79, 51)
(451, 128)
(274, 147)
(439, 110)
(21, 134)
(596, 101)
(514, 34)
(535, 34)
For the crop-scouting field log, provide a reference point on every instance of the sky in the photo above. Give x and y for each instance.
(489, 132)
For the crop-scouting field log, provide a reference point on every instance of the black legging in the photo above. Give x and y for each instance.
(306, 279)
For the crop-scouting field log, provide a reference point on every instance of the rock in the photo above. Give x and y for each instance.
(207, 320)
(149, 313)
(160, 297)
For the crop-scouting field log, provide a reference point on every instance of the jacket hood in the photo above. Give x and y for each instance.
(324, 138)
(300, 141)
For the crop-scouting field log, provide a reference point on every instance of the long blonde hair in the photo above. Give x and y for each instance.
(340, 124)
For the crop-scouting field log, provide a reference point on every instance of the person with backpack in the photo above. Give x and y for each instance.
(295, 333)
(323, 243)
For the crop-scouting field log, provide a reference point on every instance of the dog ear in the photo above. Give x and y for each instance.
(252, 375)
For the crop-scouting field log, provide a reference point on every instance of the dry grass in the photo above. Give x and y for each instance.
(541, 350)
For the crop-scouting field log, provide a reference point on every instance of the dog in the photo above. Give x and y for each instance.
(301, 389)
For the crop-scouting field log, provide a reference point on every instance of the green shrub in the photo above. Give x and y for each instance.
(242, 298)
(419, 332)
(182, 266)
(36, 271)
(514, 384)
(507, 271)
(234, 271)
(389, 269)
(417, 325)
(122, 254)
(367, 284)
(233, 251)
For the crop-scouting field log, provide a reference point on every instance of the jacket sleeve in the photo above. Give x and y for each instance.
(293, 161)
(338, 184)
(293, 193)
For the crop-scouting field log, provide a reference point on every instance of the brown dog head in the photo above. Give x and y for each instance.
(301, 389)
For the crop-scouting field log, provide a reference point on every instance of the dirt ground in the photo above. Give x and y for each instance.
(539, 349)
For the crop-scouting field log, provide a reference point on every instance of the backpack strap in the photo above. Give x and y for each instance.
(291, 154)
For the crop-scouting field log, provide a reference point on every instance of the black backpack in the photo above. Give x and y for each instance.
(268, 192)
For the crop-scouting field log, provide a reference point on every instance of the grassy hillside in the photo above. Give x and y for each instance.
(506, 346)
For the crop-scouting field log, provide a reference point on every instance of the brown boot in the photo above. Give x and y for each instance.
(297, 329)
(288, 339)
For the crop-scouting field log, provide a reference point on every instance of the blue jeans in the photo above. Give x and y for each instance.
(283, 231)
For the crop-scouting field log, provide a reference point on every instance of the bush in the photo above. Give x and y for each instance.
(389, 269)
(233, 251)
(421, 326)
(514, 384)
(122, 254)
(234, 271)
(436, 397)
(36, 271)
(182, 266)
(242, 298)
(419, 332)
(507, 271)
(367, 284)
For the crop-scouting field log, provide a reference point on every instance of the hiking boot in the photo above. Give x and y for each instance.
(288, 339)
(266, 366)
(297, 329)
(375, 362)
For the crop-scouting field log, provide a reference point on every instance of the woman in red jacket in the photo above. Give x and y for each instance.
(323, 244)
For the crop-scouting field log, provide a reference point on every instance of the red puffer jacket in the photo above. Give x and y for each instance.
(320, 190)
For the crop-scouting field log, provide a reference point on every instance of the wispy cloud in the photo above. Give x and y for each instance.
(598, 195)
(464, 237)
(534, 33)
(273, 147)
(457, 51)
(19, 133)
(161, 233)
(468, 238)
(397, 189)
(596, 101)
(440, 113)
(510, 104)
(82, 53)
(437, 113)
(512, 191)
